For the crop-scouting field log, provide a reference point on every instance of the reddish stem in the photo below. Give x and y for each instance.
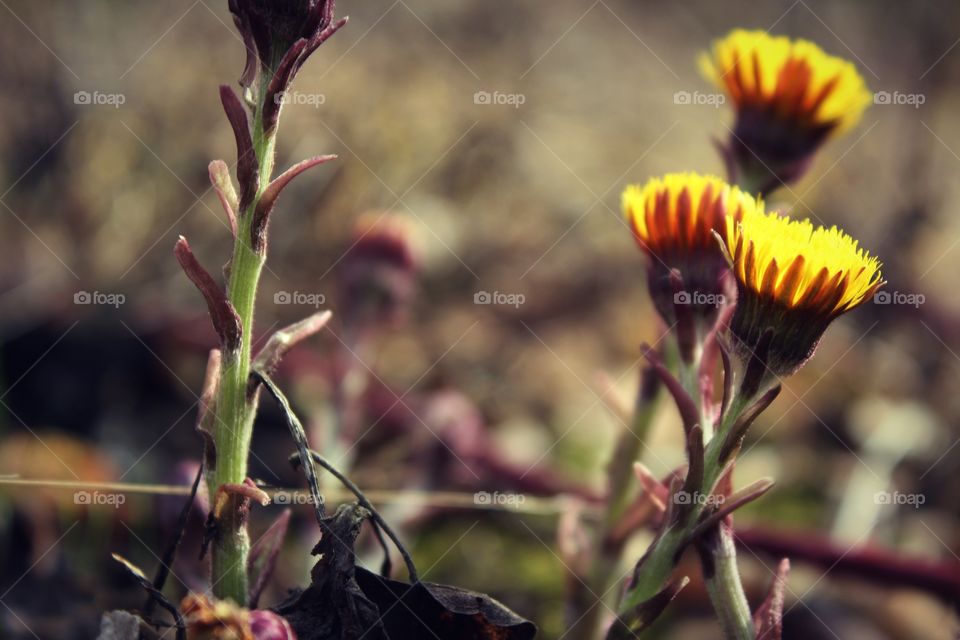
(940, 578)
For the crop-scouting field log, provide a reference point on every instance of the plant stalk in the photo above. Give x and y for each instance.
(662, 557)
(724, 586)
(236, 410)
(720, 569)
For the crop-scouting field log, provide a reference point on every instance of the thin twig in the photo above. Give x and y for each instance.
(140, 577)
(386, 566)
(300, 437)
(374, 514)
(170, 553)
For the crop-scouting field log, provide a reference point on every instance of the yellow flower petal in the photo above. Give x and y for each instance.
(800, 265)
(676, 215)
(795, 79)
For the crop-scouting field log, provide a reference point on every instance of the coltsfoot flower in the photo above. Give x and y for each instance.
(674, 219)
(789, 96)
(793, 279)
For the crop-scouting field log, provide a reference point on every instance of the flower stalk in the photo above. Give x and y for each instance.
(278, 38)
(718, 557)
(662, 557)
(236, 407)
(792, 280)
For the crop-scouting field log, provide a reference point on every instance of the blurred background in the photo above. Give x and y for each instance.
(491, 141)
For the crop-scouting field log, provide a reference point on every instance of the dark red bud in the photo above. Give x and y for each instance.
(266, 625)
(270, 28)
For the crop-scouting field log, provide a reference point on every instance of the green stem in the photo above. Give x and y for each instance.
(722, 575)
(725, 588)
(235, 409)
(661, 559)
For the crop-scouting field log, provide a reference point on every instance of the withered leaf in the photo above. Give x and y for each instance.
(347, 602)
(427, 610)
(334, 607)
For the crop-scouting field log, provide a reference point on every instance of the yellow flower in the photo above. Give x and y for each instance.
(674, 219)
(793, 78)
(793, 279)
(789, 97)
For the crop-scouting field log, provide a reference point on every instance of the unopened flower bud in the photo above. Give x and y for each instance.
(272, 27)
(377, 276)
(266, 625)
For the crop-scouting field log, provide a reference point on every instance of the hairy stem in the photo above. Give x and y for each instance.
(663, 555)
(719, 560)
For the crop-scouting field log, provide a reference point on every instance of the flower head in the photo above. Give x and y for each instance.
(790, 96)
(674, 219)
(793, 280)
